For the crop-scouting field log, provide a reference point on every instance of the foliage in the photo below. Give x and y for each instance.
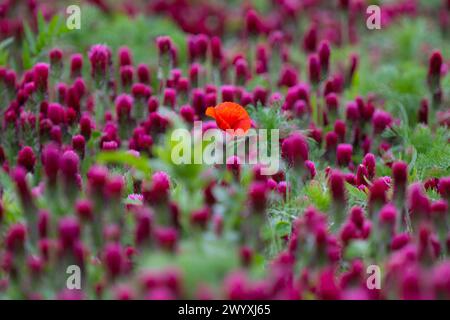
(34, 46)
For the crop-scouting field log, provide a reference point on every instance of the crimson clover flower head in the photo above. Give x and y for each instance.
(310, 39)
(324, 52)
(288, 76)
(76, 65)
(166, 237)
(157, 190)
(311, 167)
(344, 4)
(35, 264)
(187, 113)
(55, 56)
(327, 287)
(126, 75)
(113, 259)
(84, 209)
(369, 161)
(55, 112)
(258, 196)
(164, 44)
(19, 177)
(444, 187)
(15, 237)
(253, 23)
(246, 255)
(439, 208)
(400, 241)
(198, 101)
(124, 104)
(348, 232)
(227, 92)
(100, 59)
(400, 173)
(69, 165)
(377, 191)
(68, 231)
(314, 69)
(236, 286)
(361, 175)
(124, 292)
(440, 278)
(50, 161)
(200, 218)
(332, 102)
(275, 98)
(344, 154)
(115, 186)
(295, 150)
(381, 120)
(170, 97)
(315, 133)
(352, 111)
(282, 188)
(422, 115)
(152, 104)
(141, 91)
(337, 186)
(78, 144)
(143, 73)
(388, 214)
(144, 221)
(435, 64)
(97, 178)
(43, 223)
(198, 46)
(340, 128)
(125, 56)
(86, 126)
(216, 49)
(357, 216)
(242, 70)
(41, 73)
(418, 202)
(26, 158)
(331, 140)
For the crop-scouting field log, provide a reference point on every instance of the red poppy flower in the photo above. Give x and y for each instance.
(230, 115)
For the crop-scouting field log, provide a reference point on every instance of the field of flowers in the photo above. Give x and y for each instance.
(358, 208)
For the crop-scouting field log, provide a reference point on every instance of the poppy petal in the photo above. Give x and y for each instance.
(230, 115)
(243, 124)
(221, 122)
(211, 112)
(231, 111)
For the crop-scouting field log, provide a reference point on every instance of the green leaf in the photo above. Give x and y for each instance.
(4, 54)
(412, 163)
(318, 195)
(34, 45)
(5, 181)
(29, 36)
(282, 228)
(41, 22)
(26, 56)
(5, 43)
(356, 197)
(433, 152)
(140, 163)
(357, 249)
